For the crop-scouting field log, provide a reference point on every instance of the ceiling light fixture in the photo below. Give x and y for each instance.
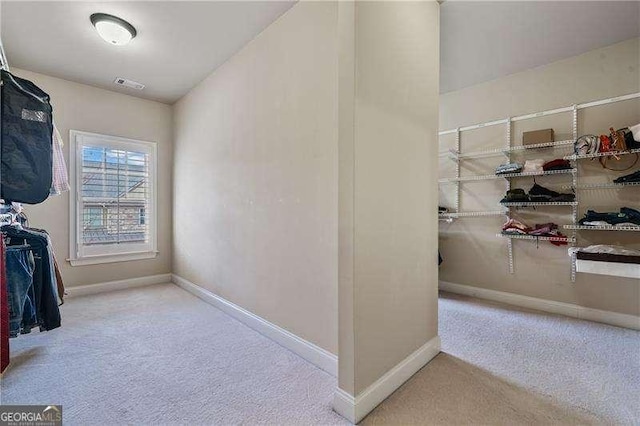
(112, 29)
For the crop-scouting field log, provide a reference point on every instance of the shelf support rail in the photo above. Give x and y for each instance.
(574, 233)
(457, 200)
(509, 211)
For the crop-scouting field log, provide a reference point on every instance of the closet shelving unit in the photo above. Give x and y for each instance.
(449, 217)
(474, 214)
(505, 176)
(577, 227)
(602, 228)
(601, 154)
(457, 155)
(503, 151)
(535, 204)
(536, 238)
(612, 185)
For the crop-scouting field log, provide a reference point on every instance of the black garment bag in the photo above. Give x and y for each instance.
(25, 141)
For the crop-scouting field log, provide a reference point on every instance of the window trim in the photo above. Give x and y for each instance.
(75, 198)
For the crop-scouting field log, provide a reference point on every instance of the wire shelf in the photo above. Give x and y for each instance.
(501, 151)
(505, 176)
(451, 153)
(473, 214)
(601, 154)
(602, 228)
(536, 238)
(608, 185)
(534, 204)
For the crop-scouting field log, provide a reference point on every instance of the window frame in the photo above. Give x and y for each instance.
(78, 255)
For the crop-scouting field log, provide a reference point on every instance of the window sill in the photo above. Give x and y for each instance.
(96, 260)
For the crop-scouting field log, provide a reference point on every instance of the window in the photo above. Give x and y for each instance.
(113, 201)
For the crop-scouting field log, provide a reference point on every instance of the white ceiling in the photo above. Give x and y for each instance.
(178, 44)
(482, 41)
(181, 42)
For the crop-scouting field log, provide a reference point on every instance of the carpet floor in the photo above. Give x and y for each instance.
(158, 355)
(503, 365)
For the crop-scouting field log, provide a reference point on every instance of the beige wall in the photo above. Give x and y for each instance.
(256, 176)
(388, 233)
(81, 107)
(472, 254)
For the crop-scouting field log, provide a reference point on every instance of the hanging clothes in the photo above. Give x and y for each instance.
(56, 268)
(4, 312)
(22, 299)
(43, 293)
(60, 179)
(59, 282)
(26, 128)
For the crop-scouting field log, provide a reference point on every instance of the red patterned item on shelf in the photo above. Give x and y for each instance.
(605, 144)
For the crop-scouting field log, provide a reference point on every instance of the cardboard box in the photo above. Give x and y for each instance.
(537, 136)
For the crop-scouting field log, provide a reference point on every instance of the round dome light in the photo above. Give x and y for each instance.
(112, 29)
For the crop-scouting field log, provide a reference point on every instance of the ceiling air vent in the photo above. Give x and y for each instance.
(128, 83)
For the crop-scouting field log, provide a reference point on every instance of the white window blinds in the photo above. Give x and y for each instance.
(115, 203)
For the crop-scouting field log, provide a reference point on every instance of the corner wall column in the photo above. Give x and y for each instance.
(388, 197)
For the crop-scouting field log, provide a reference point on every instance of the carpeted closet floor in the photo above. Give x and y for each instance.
(509, 366)
(158, 355)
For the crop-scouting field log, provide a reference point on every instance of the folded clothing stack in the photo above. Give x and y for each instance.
(516, 195)
(537, 166)
(504, 169)
(540, 194)
(626, 217)
(557, 164)
(633, 177)
(606, 253)
(533, 166)
(549, 230)
(515, 227)
(537, 194)
(545, 230)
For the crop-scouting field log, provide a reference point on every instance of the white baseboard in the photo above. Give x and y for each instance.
(567, 309)
(84, 290)
(355, 409)
(319, 357)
